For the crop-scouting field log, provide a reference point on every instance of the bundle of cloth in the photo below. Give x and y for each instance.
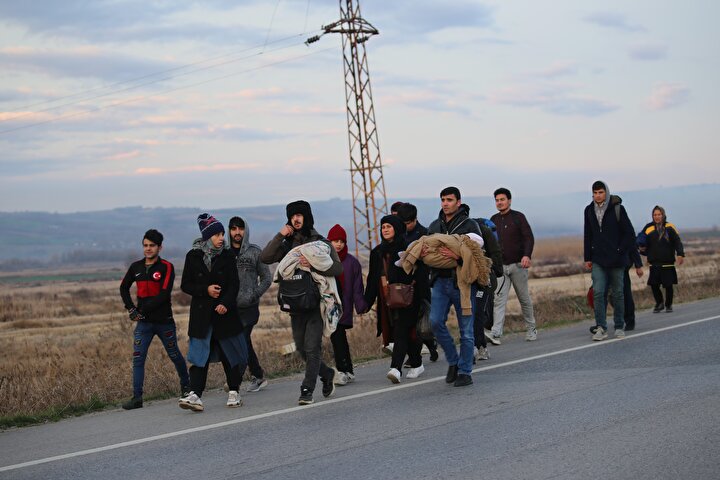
(318, 255)
(473, 267)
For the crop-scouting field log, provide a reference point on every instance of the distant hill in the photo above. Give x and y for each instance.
(115, 235)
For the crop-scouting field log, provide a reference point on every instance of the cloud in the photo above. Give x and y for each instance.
(668, 95)
(218, 167)
(556, 69)
(553, 99)
(648, 51)
(615, 21)
(81, 62)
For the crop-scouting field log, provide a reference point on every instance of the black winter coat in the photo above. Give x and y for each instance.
(195, 282)
(608, 246)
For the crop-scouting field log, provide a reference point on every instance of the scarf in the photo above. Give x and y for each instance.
(209, 251)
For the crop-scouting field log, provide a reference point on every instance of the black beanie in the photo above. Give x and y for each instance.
(236, 222)
(396, 223)
(303, 208)
(209, 226)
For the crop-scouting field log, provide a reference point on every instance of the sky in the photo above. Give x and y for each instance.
(219, 103)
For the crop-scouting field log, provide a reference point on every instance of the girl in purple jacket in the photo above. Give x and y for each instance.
(350, 284)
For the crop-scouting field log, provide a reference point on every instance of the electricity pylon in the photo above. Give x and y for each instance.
(366, 174)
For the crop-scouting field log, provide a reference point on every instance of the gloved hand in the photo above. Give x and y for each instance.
(135, 315)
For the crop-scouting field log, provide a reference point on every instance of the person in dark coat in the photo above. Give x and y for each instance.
(210, 276)
(609, 236)
(660, 241)
(350, 284)
(400, 321)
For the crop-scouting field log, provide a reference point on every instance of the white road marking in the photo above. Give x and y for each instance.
(394, 388)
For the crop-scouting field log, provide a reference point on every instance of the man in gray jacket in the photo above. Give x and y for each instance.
(255, 279)
(307, 326)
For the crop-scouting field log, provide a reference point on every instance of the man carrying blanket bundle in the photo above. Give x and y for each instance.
(299, 293)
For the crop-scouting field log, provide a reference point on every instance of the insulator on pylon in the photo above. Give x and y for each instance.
(312, 39)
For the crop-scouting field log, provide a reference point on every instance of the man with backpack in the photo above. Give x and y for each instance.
(516, 240)
(306, 320)
(609, 237)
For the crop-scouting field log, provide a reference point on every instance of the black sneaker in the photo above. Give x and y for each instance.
(434, 354)
(593, 329)
(629, 326)
(658, 308)
(668, 309)
(452, 374)
(463, 380)
(329, 384)
(306, 396)
(133, 403)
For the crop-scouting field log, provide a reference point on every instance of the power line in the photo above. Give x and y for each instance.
(123, 102)
(151, 75)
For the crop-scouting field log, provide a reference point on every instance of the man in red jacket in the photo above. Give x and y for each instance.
(154, 278)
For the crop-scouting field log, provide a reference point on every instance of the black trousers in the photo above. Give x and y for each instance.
(341, 349)
(406, 343)
(484, 306)
(198, 375)
(657, 293)
(253, 362)
(307, 330)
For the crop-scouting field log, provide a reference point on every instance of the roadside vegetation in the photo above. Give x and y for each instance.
(66, 341)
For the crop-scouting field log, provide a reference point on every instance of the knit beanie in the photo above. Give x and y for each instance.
(396, 223)
(236, 222)
(337, 233)
(209, 226)
(303, 208)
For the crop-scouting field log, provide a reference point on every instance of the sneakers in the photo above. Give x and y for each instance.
(492, 338)
(306, 396)
(593, 329)
(531, 335)
(256, 384)
(452, 374)
(481, 353)
(340, 378)
(600, 334)
(329, 384)
(658, 308)
(424, 350)
(234, 399)
(388, 349)
(185, 390)
(394, 375)
(434, 354)
(191, 402)
(415, 372)
(350, 377)
(463, 380)
(668, 309)
(133, 403)
(619, 333)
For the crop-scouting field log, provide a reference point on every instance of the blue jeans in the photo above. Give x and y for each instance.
(144, 333)
(604, 278)
(444, 294)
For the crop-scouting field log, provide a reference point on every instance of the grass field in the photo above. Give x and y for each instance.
(66, 341)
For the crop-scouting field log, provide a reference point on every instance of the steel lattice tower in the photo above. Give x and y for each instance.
(366, 174)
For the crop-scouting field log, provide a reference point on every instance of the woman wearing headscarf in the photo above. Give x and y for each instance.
(216, 333)
(660, 241)
(397, 324)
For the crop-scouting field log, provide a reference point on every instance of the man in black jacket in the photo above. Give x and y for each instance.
(154, 278)
(307, 327)
(453, 219)
(609, 237)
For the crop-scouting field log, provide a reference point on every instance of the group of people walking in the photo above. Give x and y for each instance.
(414, 273)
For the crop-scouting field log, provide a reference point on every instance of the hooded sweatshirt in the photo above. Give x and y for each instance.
(254, 275)
(609, 239)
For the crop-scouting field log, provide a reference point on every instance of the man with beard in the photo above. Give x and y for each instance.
(307, 327)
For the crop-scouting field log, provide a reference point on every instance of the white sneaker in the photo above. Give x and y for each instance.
(234, 399)
(619, 333)
(492, 338)
(415, 372)
(256, 384)
(394, 375)
(481, 353)
(531, 335)
(388, 349)
(600, 334)
(191, 402)
(340, 378)
(424, 350)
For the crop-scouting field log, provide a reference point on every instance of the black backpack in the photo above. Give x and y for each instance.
(298, 293)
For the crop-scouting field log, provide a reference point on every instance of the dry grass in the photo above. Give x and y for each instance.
(69, 343)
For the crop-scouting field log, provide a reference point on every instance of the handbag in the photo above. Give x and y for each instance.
(423, 327)
(397, 295)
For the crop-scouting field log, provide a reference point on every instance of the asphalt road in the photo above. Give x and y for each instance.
(563, 407)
